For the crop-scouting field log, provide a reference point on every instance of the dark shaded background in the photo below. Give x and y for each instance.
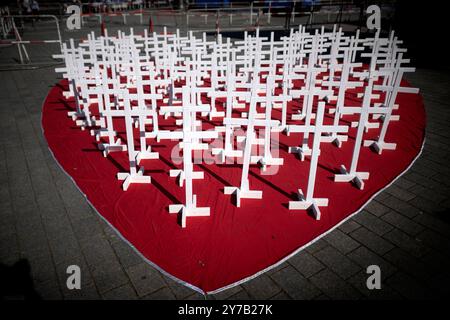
(424, 28)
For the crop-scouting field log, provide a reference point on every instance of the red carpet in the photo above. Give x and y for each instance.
(233, 243)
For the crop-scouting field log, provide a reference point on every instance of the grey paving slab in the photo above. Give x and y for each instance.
(306, 264)
(145, 279)
(317, 246)
(434, 194)
(125, 292)
(365, 258)
(402, 207)
(404, 224)
(64, 248)
(349, 226)
(400, 193)
(373, 223)
(162, 294)
(377, 208)
(337, 262)
(127, 256)
(333, 286)
(294, 284)
(180, 291)
(281, 296)
(43, 269)
(407, 243)
(107, 277)
(261, 287)
(372, 241)
(405, 183)
(341, 241)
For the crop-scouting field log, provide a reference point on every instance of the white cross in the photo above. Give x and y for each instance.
(189, 139)
(112, 143)
(393, 89)
(353, 175)
(343, 85)
(308, 201)
(134, 175)
(244, 190)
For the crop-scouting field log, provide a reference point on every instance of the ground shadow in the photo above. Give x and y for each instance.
(16, 282)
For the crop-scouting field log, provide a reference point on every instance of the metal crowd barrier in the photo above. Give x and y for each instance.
(6, 24)
(23, 53)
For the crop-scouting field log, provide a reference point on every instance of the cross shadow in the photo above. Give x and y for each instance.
(270, 184)
(168, 194)
(66, 104)
(115, 163)
(215, 175)
(60, 86)
(167, 162)
(95, 149)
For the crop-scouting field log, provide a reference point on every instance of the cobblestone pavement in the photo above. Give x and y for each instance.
(46, 220)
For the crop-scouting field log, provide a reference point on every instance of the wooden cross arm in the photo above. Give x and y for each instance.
(409, 90)
(272, 98)
(122, 113)
(296, 76)
(201, 108)
(173, 135)
(243, 42)
(314, 69)
(241, 94)
(329, 129)
(356, 64)
(146, 95)
(400, 89)
(210, 134)
(157, 82)
(61, 70)
(378, 55)
(217, 94)
(178, 135)
(316, 91)
(353, 110)
(389, 60)
(202, 89)
(347, 85)
(281, 98)
(245, 122)
(382, 72)
(65, 69)
(403, 69)
(250, 85)
(329, 56)
(250, 69)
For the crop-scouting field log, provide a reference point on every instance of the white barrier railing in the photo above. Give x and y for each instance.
(23, 54)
